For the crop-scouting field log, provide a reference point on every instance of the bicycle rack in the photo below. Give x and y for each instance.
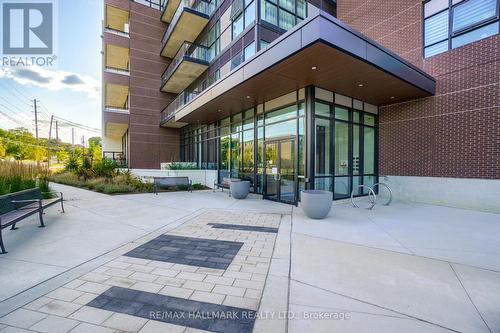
(388, 189)
(371, 196)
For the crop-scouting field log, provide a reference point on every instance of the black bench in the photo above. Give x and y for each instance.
(225, 184)
(171, 181)
(15, 207)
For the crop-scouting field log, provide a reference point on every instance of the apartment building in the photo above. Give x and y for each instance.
(323, 94)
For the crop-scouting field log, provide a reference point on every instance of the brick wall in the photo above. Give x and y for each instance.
(149, 144)
(455, 133)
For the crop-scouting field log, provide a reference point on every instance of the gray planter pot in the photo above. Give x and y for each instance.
(239, 188)
(316, 204)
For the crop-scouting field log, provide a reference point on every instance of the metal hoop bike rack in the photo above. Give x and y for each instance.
(388, 202)
(371, 196)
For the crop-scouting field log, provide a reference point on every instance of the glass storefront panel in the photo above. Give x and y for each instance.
(341, 148)
(342, 187)
(281, 130)
(343, 157)
(281, 114)
(369, 150)
(323, 147)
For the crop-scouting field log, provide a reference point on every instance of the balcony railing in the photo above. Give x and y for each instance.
(117, 156)
(199, 6)
(189, 52)
(186, 96)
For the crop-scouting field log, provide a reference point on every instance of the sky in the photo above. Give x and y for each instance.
(70, 90)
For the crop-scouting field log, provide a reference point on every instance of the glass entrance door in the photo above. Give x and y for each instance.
(280, 176)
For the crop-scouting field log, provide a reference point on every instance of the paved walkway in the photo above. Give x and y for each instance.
(121, 263)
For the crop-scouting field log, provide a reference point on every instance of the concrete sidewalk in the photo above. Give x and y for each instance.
(402, 268)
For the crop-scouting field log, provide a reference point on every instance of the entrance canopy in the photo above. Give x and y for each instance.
(320, 51)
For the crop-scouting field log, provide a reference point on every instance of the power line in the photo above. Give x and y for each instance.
(12, 119)
(24, 112)
(23, 97)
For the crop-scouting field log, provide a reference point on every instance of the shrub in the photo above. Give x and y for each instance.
(18, 176)
(113, 188)
(198, 186)
(182, 187)
(182, 166)
(72, 164)
(105, 168)
(67, 178)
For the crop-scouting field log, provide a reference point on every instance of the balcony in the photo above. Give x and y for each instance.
(189, 20)
(116, 96)
(117, 21)
(167, 116)
(117, 59)
(169, 7)
(188, 64)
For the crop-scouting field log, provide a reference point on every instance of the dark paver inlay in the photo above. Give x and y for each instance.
(177, 311)
(201, 252)
(243, 227)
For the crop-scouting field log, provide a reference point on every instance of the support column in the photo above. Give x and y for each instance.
(310, 140)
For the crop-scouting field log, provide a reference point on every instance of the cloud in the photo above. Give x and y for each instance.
(54, 80)
(72, 79)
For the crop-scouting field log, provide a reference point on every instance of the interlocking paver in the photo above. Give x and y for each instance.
(228, 290)
(22, 318)
(241, 302)
(153, 326)
(214, 268)
(65, 294)
(59, 308)
(125, 322)
(197, 285)
(209, 297)
(228, 281)
(54, 324)
(93, 287)
(176, 291)
(90, 328)
(146, 306)
(188, 251)
(91, 315)
(191, 276)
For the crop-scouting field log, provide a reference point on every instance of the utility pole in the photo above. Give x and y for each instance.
(73, 140)
(57, 132)
(36, 119)
(48, 142)
(36, 127)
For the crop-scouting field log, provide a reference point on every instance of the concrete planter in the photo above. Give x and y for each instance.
(239, 188)
(316, 204)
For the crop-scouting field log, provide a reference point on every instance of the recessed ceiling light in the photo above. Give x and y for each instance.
(360, 85)
(248, 97)
(392, 97)
(219, 110)
(314, 68)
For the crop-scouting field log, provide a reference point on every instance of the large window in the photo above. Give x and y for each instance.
(283, 13)
(345, 149)
(453, 23)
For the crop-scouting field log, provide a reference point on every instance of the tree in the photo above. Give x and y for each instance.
(3, 151)
(95, 148)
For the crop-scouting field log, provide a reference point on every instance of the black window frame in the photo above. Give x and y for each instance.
(451, 34)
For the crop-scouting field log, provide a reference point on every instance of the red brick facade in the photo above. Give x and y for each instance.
(455, 133)
(149, 144)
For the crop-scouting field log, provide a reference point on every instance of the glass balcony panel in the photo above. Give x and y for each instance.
(188, 64)
(189, 20)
